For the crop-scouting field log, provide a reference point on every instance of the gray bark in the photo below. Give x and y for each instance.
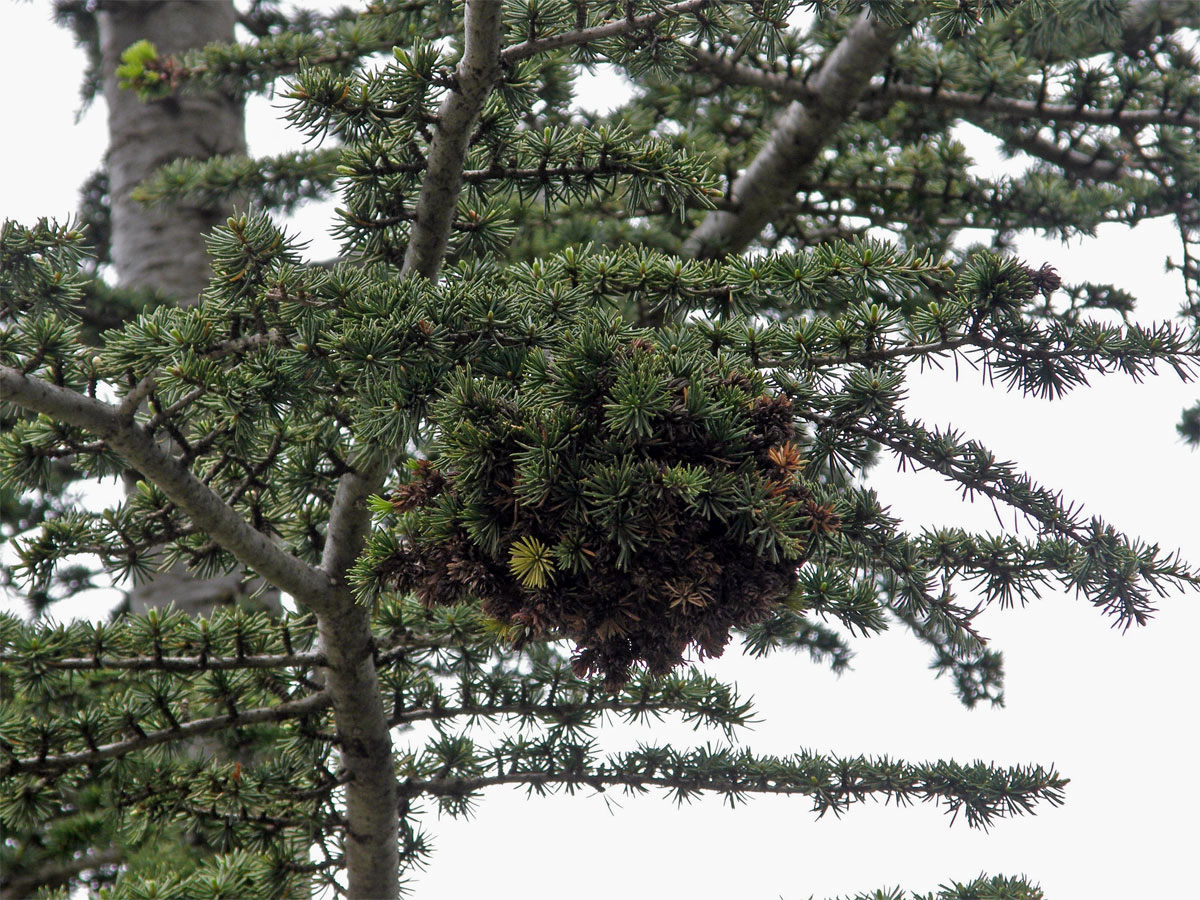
(797, 138)
(204, 506)
(364, 737)
(163, 248)
(477, 73)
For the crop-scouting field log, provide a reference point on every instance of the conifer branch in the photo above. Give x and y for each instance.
(175, 663)
(206, 508)
(1016, 108)
(981, 105)
(1011, 352)
(797, 138)
(477, 73)
(338, 41)
(1100, 569)
(979, 792)
(1141, 21)
(292, 709)
(82, 649)
(1084, 166)
(629, 25)
(587, 704)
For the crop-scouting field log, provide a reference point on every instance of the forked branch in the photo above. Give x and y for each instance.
(799, 135)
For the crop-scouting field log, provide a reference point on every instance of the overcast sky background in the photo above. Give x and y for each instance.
(1114, 712)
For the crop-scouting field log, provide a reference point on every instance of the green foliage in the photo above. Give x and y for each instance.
(997, 887)
(588, 465)
(601, 455)
(142, 70)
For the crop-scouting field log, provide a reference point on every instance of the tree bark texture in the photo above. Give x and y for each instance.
(163, 247)
(476, 75)
(797, 138)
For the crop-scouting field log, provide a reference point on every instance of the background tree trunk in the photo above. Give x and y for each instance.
(162, 248)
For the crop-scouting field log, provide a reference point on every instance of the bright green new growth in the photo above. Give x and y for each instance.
(521, 492)
(531, 562)
(137, 73)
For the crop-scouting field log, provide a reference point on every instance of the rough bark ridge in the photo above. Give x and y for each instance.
(799, 135)
(350, 675)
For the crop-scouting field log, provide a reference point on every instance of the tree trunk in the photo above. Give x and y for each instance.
(798, 136)
(162, 248)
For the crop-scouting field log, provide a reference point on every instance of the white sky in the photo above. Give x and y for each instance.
(1110, 710)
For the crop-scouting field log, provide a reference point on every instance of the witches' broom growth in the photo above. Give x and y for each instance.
(583, 399)
(592, 472)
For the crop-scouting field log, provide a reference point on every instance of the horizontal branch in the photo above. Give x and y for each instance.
(900, 351)
(989, 104)
(979, 791)
(201, 503)
(173, 663)
(410, 644)
(1012, 107)
(1084, 166)
(292, 709)
(569, 710)
(325, 824)
(599, 32)
(978, 340)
